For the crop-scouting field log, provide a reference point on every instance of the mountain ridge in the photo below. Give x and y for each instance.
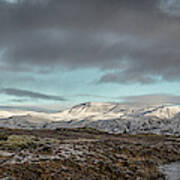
(110, 117)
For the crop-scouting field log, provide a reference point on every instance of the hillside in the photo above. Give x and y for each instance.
(110, 117)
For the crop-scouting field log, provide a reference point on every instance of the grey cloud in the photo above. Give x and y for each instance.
(94, 96)
(137, 41)
(152, 99)
(26, 108)
(127, 78)
(171, 7)
(30, 94)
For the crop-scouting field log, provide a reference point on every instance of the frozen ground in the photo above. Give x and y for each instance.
(172, 171)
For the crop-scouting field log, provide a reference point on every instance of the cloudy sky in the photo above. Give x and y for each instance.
(54, 53)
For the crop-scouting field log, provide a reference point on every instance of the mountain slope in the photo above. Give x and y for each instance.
(111, 117)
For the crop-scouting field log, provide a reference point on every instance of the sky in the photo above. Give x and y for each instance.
(58, 53)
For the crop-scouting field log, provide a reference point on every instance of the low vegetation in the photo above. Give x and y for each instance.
(84, 153)
(16, 142)
(3, 136)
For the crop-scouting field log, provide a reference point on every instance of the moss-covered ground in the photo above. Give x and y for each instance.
(84, 154)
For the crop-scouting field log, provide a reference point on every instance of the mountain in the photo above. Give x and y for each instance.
(111, 117)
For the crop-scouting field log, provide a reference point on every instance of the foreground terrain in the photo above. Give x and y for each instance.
(84, 153)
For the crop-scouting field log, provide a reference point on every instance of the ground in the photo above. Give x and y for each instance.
(84, 153)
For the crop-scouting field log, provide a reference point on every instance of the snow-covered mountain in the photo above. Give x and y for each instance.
(111, 117)
(109, 111)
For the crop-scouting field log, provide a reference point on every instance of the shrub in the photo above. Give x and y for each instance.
(15, 141)
(3, 136)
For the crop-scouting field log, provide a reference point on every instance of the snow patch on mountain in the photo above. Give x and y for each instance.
(111, 117)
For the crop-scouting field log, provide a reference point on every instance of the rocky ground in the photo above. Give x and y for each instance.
(84, 153)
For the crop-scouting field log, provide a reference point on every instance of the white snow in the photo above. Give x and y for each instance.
(111, 117)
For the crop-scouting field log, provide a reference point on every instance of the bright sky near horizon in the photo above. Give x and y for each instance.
(59, 53)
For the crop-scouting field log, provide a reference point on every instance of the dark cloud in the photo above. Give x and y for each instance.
(131, 41)
(30, 94)
(152, 99)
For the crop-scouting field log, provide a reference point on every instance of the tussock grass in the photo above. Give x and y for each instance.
(16, 141)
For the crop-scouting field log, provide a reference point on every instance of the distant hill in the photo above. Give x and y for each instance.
(111, 117)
